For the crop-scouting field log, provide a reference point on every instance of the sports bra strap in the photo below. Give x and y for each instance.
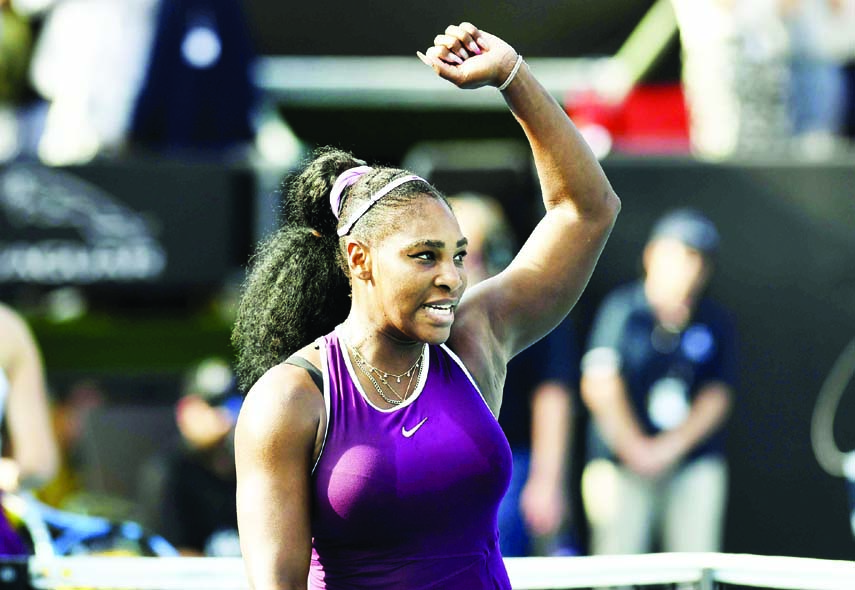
(314, 372)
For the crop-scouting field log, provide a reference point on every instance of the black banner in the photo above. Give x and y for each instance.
(124, 224)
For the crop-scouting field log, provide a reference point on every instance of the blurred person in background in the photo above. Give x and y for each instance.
(29, 450)
(15, 50)
(536, 414)
(735, 75)
(658, 379)
(88, 64)
(197, 93)
(70, 414)
(822, 41)
(139, 75)
(189, 495)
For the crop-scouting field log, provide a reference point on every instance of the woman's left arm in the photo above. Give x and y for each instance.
(541, 285)
(35, 457)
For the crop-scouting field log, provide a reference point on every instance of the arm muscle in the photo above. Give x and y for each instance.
(275, 448)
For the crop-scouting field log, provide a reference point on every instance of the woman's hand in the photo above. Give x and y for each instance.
(470, 58)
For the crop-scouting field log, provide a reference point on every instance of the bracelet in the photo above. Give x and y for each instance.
(513, 74)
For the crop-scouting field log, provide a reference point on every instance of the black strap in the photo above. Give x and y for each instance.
(314, 372)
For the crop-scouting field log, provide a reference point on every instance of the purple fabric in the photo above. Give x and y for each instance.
(344, 180)
(417, 512)
(10, 542)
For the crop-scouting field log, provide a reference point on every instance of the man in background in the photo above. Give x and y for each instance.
(658, 379)
(189, 495)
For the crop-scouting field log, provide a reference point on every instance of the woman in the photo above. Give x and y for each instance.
(32, 457)
(371, 458)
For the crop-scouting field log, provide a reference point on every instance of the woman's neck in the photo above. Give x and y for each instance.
(379, 347)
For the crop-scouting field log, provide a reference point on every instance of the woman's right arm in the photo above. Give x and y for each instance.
(276, 441)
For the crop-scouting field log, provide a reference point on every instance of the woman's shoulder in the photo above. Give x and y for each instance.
(279, 422)
(285, 397)
(289, 381)
(310, 353)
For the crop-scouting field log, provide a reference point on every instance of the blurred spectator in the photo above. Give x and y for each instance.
(151, 74)
(822, 40)
(189, 495)
(197, 93)
(735, 75)
(70, 414)
(658, 378)
(15, 50)
(536, 413)
(29, 456)
(89, 61)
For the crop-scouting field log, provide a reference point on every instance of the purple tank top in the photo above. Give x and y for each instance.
(407, 498)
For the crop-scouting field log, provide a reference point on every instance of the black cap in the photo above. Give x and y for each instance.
(690, 227)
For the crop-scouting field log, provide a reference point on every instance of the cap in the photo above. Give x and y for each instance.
(690, 227)
(213, 380)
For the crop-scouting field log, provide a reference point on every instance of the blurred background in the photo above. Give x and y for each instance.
(142, 143)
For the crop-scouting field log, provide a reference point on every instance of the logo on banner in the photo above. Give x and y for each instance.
(57, 229)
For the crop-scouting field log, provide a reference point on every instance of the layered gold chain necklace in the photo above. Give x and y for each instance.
(369, 370)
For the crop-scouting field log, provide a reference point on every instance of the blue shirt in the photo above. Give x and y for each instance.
(663, 371)
(555, 357)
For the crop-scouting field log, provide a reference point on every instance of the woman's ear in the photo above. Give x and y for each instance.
(359, 260)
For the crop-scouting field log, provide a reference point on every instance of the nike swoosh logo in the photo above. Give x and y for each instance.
(412, 431)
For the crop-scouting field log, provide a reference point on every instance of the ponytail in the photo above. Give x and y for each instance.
(296, 289)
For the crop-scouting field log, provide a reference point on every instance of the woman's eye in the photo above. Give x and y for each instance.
(424, 256)
(460, 256)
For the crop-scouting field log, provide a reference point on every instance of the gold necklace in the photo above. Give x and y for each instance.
(368, 370)
(367, 373)
(383, 374)
(419, 378)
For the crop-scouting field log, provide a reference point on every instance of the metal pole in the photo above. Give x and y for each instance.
(707, 579)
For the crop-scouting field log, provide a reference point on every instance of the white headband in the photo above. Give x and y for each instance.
(345, 229)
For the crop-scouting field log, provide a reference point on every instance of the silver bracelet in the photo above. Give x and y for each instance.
(513, 73)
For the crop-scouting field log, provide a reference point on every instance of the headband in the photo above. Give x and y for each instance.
(348, 178)
(344, 180)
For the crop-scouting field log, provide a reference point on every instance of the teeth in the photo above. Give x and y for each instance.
(440, 307)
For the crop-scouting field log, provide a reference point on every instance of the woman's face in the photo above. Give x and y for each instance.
(418, 273)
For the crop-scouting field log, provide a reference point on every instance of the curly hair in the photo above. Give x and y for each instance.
(298, 284)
